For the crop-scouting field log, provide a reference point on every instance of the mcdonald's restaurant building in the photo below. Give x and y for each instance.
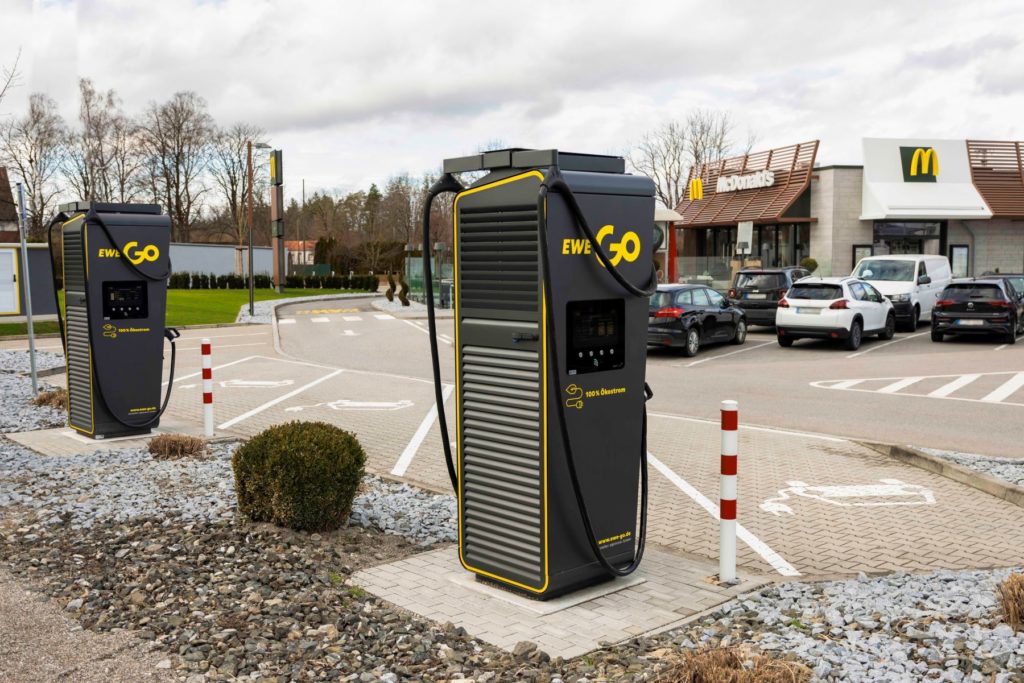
(960, 198)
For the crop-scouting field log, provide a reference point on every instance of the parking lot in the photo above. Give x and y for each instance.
(811, 501)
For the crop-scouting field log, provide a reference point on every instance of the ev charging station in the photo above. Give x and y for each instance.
(553, 270)
(115, 267)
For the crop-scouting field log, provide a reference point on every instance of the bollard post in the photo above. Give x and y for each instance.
(727, 502)
(207, 389)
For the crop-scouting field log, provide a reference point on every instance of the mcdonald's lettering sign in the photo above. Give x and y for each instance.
(920, 164)
(696, 189)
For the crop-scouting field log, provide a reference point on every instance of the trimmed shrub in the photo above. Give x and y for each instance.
(178, 281)
(56, 398)
(259, 281)
(300, 475)
(174, 446)
(294, 282)
(809, 263)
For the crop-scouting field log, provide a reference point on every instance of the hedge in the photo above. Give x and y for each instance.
(366, 283)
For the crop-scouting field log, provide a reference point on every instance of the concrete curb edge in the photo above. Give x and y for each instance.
(1003, 490)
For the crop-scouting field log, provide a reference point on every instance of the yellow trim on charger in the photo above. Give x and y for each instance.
(458, 387)
(67, 372)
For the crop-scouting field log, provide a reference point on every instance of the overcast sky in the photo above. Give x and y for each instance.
(355, 91)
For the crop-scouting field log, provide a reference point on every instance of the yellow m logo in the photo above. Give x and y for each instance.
(696, 189)
(925, 159)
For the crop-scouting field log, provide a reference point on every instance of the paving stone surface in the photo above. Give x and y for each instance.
(665, 590)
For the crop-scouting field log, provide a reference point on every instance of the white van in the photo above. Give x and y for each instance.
(913, 282)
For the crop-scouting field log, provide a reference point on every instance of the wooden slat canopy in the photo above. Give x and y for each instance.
(997, 171)
(792, 167)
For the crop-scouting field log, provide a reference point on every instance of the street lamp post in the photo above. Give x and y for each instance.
(252, 281)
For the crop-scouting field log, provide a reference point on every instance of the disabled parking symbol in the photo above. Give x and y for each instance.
(890, 492)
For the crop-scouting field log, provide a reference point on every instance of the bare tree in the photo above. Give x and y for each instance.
(33, 146)
(228, 168)
(667, 154)
(177, 136)
(397, 207)
(9, 76)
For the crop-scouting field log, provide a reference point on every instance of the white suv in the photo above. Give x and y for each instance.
(834, 308)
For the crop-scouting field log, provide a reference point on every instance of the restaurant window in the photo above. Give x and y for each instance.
(959, 258)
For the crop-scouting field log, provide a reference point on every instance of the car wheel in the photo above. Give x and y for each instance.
(915, 320)
(741, 332)
(937, 336)
(785, 342)
(1011, 338)
(692, 344)
(856, 334)
(890, 328)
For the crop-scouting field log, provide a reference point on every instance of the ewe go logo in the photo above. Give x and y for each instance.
(627, 248)
(135, 255)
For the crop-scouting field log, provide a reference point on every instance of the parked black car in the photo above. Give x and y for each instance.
(689, 316)
(1016, 280)
(981, 306)
(758, 290)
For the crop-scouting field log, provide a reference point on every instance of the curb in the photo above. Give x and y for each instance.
(56, 335)
(1003, 490)
(283, 302)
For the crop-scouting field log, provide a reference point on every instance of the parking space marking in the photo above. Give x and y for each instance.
(413, 446)
(273, 402)
(757, 545)
(997, 397)
(753, 428)
(286, 321)
(383, 316)
(959, 383)
(900, 384)
(221, 346)
(349, 333)
(351, 318)
(723, 355)
(875, 347)
(320, 320)
(1007, 389)
(441, 337)
(1000, 347)
(215, 367)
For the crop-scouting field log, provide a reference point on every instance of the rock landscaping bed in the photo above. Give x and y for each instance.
(1007, 469)
(17, 414)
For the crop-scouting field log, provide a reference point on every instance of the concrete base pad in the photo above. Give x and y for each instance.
(67, 441)
(664, 592)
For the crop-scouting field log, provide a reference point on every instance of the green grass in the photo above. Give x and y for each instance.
(193, 307)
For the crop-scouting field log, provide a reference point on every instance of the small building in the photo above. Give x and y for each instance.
(960, 198)
(301, 252)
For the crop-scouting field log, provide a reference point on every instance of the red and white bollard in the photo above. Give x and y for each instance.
(727, 502)
(207, 389)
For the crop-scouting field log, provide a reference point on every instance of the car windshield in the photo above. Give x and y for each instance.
(760, 281)
(661, 299)
(820, 292)
(890, 271)
(1018, 283)
(966, 292)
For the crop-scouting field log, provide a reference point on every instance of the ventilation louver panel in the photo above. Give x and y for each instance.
(502, 466)
(498, 263)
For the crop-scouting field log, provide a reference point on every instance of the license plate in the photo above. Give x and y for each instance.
(808, 311)
(970, 322)
(755, 296)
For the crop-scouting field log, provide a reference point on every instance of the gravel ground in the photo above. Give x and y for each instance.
(18, 361)
(1007, 469)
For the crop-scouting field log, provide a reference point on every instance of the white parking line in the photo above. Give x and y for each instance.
(958, 383)
(409, 453)
(286, 321)
(900, 384)
(426, 332)
(383, 316)
(757, 545)
(279, 399)
(352, 318)
(1000, 348)
(846, 384)
(753, 428)
(1008, 388)
(221, 346)
(215, 367)
(723, 355)
(875, 347)
(320, 320)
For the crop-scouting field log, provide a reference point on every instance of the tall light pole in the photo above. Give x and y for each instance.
(252, 282)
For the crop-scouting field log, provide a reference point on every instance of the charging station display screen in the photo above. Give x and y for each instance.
(125, 300)
(595, 336)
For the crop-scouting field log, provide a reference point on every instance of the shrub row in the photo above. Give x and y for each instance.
(210, 281)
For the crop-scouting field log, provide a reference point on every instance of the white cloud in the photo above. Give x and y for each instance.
(356, 91)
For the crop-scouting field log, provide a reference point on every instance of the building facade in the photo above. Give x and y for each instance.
(960, 198)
